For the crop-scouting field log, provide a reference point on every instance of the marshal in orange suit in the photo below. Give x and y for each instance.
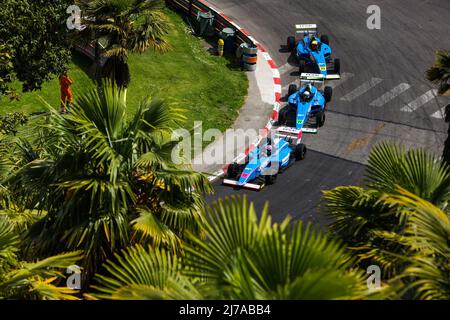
(66, 93)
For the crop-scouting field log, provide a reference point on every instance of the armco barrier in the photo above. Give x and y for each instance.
(221, 21)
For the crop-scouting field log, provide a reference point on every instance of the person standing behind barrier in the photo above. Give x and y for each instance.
(66, 93)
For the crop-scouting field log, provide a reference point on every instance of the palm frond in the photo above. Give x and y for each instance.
(439, 73)
(416, 170)
(144, 274)
(250, 259)
(428, 232)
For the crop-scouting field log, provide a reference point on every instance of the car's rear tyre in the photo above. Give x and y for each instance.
(300, 152)
(270, 179)
(292, 89)
(337, 66)
(324, 39)
(328, 93)
(291, 43)
(320, 119)
(301, 66)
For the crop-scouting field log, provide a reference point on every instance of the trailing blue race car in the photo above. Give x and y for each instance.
(306, 108)
(313, 52)
(262, 165)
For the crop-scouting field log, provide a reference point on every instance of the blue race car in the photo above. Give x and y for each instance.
(313, 52)
(307, 106)
(262, 165)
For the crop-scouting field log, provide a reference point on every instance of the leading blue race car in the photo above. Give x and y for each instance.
(306, 108)
(270, 157)
(313, 52)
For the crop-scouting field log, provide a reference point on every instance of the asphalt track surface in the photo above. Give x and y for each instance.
(384, 71)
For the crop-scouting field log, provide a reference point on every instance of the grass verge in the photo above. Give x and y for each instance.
(207, 87)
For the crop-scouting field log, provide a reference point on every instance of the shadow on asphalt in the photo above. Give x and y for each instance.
(316, 173)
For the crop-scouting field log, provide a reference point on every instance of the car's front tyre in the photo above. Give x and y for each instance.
(292, 90)
(320, 119)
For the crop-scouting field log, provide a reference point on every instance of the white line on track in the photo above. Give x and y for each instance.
(420, 101)
(388, 96)
(344, 77)
(361, 89)
(439, 114)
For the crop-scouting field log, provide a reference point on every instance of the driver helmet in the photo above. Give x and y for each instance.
(306, 95)
(314, 44)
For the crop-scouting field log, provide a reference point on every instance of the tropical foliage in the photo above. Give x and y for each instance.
(38, 35)
(427, 234)
(124, 26)
(104, 182)
(446, 152)
(243, 257)
(30, 280)
(439, 73)
(377, 230)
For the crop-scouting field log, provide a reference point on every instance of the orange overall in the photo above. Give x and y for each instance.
(66, 93)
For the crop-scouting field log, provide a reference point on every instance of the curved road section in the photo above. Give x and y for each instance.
(382, 94)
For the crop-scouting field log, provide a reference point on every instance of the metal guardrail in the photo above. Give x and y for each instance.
(193, 7)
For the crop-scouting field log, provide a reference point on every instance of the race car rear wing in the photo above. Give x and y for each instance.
(289, 134)
(318, 76)
(310, 130)
(310, 28)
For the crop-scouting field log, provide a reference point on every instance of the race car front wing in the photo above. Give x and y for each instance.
(246, 185)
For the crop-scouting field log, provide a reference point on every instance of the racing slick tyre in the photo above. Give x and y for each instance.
(292, 89)
(301, 66)
(282, 116)
(320, 119)
(270, 179)
(291, 43)
(233, 171)
(337, 66)
(300, 152)
(324, 39)
(328, 93)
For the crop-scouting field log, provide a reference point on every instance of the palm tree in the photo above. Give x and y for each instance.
(243, 257)
(30, 280)
(446, 152)
(439, 74)
(105, 182)
(427, 235)
(125, 26)
(373, 229)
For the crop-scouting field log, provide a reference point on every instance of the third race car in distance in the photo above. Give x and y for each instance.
(313, 52)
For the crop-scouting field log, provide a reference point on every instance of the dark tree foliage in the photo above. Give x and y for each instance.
(35, 33)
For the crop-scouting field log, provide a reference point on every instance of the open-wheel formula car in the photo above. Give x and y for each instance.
(270, 157)
(313, 52)
(306, 106)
